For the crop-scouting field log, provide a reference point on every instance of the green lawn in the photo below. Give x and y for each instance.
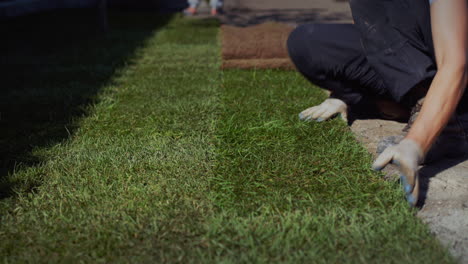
(166, 158)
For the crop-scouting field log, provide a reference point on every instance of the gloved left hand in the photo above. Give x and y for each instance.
(407, 155)
(326, 110)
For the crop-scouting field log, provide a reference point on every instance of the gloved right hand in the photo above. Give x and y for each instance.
(407, 155)
(326, 110)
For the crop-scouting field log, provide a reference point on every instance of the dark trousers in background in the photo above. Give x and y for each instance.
(385, 54)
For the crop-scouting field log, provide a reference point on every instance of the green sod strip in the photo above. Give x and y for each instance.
(286, 190)
(180, 162)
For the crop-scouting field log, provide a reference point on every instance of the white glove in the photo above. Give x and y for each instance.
(407, 155)
(326, 110)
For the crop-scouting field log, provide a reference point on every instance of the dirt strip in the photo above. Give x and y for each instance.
(260, 64)
(260, 46)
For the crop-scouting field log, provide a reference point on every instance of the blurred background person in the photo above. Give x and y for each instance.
(215, 6)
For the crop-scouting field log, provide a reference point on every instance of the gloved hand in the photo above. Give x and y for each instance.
(325, 111)
(407, 155)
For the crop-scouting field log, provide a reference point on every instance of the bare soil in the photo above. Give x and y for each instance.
(260, 46)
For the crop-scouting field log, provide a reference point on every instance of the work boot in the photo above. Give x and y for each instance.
(395, 139)
(414, 114)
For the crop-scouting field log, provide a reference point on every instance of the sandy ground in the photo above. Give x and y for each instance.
(444, 188)
(444, 201)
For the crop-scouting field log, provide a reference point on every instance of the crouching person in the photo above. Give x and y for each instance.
(409, 52)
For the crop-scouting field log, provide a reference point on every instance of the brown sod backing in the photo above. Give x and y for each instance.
(256, 47)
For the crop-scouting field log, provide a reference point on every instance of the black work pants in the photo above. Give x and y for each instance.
(386, 53)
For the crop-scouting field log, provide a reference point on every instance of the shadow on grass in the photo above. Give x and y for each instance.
(53, 65)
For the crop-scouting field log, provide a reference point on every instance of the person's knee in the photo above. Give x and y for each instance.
(304, 48)
(306, 38)
(296, 41)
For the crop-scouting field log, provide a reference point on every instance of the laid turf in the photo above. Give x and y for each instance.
(177, 161)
